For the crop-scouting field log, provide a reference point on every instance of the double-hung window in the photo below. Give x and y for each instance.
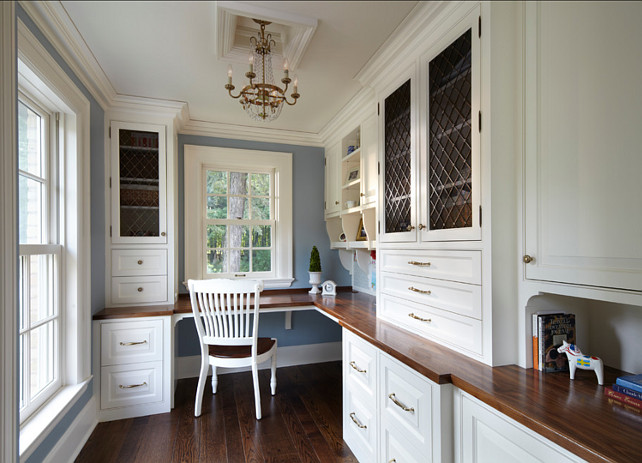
(238, 214)
(40, 321)
(239, 223)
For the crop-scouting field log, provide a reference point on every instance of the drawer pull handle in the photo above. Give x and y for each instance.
(140, 290)
(419, 264)
(354, 365)
(412, 315)
(393, 397)
(130, 386)
(420, 291)
(140, 262)
(134, 343)
(356, 421)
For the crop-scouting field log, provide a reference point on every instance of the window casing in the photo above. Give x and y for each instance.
(40, 316)
(238, 214)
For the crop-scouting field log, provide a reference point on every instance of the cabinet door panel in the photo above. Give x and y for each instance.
(582, 167)
(138, 183)
(369, 157)
(450, 168)
(490, 437)
(398, 166)
(332, 182)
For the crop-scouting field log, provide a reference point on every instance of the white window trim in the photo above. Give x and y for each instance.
(199, 157)
(44, 78)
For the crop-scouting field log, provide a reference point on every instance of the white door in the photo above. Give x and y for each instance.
(583, 167)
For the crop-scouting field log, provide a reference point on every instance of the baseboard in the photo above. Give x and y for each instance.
(74, 439)
(188, 367)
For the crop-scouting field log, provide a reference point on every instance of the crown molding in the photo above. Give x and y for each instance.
(56, 25)
(409, 38)
(242, 132)
(358, 109)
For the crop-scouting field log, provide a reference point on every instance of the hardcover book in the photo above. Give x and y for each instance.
(535, 330)
(553, 329)
(627, 391)
(632, 382)
(623, 398)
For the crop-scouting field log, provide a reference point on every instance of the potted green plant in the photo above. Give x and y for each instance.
(315, 270)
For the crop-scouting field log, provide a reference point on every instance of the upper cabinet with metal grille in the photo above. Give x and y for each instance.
(138, 183)
(450, 190)
(397, 219)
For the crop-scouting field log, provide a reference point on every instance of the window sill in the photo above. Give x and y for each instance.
(36, 429)
(268, 283)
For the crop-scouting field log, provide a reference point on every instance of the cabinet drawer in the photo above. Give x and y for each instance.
(405, 405)
(130, 262)
(462, 266)
(394, 448)
(359, 362)
(135, 290)
(129, 385)
(131, 342)
(359, 424)
(450, 328)
(460, 298)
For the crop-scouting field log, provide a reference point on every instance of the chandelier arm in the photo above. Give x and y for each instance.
(229, 90)
(285, 98)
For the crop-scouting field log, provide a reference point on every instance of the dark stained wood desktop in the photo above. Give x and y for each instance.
(574, 414)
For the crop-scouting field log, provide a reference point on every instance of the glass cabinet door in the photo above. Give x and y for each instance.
(450, 187)
(398, 200)
(138, 183)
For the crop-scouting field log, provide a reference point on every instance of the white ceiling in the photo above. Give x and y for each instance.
(166, 50)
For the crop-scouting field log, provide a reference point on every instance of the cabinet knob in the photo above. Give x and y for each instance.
(140, 262)
(410, 227)
(361, 194)
(421, 226)
(162, 233)
(528, 259)
(140, 290)
(336, 202)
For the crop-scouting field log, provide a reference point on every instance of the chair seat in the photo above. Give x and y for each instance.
(236, 352)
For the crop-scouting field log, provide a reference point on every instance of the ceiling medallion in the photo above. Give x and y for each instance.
(263, 100)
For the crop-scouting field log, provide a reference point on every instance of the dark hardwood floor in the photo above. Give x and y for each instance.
(301, 423)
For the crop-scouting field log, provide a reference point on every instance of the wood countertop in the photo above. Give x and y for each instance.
(574, 414)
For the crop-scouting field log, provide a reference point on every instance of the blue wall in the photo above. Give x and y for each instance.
(308, 228)
(97, 192)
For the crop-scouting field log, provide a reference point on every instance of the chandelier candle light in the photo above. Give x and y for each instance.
(263, 100)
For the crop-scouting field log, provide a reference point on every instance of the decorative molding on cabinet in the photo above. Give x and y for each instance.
(358, 109)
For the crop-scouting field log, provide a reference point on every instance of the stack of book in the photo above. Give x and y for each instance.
(549, 330)
(627, 391)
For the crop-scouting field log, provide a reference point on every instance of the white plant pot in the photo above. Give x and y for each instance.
(315, 281)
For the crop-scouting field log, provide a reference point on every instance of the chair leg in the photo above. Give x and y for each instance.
(257, 393)
(214, 380)
(202, 377)
(273, 378)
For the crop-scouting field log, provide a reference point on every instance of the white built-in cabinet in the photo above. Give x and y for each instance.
(134, 358)
(430, 194)
(390, 412)
(351, 171)
(140, 246)
(484, 435)
(583, 222)
(332, 186)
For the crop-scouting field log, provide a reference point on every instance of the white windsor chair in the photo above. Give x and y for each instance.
(226, 314)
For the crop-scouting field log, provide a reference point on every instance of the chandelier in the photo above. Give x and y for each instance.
(262, 99)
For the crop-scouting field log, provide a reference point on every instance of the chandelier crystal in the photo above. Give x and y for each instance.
(262, 99)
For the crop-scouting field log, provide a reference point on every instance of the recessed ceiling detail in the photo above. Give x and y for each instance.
(234, 26)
